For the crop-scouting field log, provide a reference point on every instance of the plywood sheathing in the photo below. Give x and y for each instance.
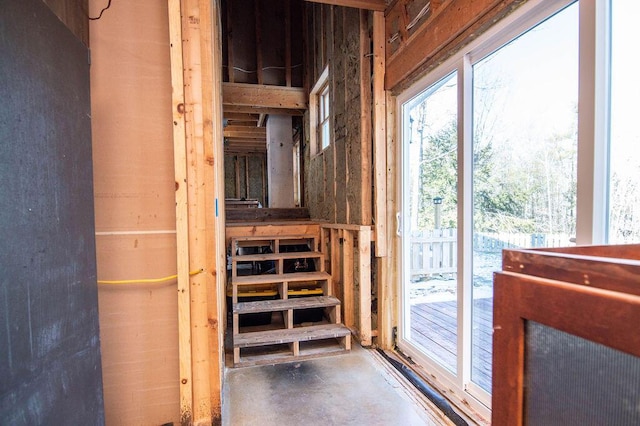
(135, 210)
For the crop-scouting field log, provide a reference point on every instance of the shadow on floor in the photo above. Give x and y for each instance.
(350, 389)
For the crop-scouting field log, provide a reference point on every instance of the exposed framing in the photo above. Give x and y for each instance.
(196, 63)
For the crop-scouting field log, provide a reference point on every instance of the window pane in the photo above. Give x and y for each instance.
(325, 134)
(524, 165)
(431, 143)
(624, 170)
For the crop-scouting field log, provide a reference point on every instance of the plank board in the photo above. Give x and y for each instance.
(285, 304)
(276, 278)
(298, 334)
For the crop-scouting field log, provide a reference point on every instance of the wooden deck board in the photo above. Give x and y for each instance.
(434, 328)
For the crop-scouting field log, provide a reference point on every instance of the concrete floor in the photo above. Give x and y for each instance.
(351, 389)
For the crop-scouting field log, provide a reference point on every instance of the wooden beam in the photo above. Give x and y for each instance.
(240, 116)
(441, 34)
(245, 132)
(378, 5)
(379, 135)
(261, 96)
(182, 224)
(252, 109)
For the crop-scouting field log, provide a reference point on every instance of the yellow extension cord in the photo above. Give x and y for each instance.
(148, 280)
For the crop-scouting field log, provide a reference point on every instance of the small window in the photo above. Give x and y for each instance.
(320, 114)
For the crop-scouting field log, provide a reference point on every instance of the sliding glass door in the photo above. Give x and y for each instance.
(489, 149)
(430, 185)
(525, 105)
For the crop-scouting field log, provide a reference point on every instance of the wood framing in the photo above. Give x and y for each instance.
(378, 5)
(379, 134)
(195, 64)
(260, 96)
(366, 119)
(453, 25)
(182, 222)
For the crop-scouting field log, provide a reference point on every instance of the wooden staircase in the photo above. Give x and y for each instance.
(282, 301)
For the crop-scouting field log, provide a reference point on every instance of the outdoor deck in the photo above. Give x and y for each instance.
(434, 327)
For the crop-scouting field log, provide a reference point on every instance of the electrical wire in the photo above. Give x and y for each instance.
(264, 69)
(149, 280)
(101, 12)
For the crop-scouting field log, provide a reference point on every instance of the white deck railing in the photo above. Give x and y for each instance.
(435, 251)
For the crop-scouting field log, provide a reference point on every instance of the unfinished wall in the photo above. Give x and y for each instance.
(49, 337)
(135, 210)
(338, 180)
(245, 175)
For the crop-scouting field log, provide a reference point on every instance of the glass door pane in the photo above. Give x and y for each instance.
(430, 234)
(624, 155)
(525, 98)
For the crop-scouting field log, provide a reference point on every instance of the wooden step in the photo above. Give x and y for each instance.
(298, 237)
(298, 334)
(282, 305)
(276, 256)
(278, 278)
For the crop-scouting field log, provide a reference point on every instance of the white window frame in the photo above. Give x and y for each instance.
(318, 115)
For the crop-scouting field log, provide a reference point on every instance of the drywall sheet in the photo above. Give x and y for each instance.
(49, 337)
(135, 210)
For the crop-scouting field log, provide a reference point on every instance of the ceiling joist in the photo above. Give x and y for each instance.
(376, 5)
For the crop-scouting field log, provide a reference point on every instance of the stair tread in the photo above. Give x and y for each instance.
(298, 334)
(283, 304)
(276, 278)
(274, 237)
(276, 256)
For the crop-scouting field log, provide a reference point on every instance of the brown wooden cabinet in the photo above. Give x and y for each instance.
(566, 342)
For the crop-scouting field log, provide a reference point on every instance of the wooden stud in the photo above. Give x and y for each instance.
(348, 284)
(246, 176)
(182, 224)
(365, 120)
(214, 208)
(258, 18)
(364, 256)
(197, 258)
(389, 275)
(230, 69)
(287, 49)
(380, 134)
(236, 161)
